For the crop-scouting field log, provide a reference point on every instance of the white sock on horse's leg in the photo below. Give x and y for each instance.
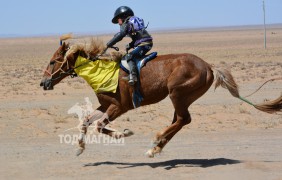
(102, 122)
(96, 115)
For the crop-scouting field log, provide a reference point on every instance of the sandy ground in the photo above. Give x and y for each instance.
(227, 139)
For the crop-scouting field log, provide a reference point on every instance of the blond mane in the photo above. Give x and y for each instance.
(94, 48)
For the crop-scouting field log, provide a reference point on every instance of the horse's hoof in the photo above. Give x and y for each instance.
(79, 151)
(150, 153)
(127, 133)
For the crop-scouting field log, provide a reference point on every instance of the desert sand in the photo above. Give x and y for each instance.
(227, 138)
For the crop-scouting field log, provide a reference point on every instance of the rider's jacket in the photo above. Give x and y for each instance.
(133, 27)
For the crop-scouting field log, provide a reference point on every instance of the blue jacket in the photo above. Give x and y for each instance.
(133, 27)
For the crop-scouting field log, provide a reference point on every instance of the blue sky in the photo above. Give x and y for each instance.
(35, 17)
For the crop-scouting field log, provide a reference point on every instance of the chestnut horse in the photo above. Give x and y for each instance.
(182, 77)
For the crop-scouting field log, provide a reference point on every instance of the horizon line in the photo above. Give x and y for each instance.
(154, 30)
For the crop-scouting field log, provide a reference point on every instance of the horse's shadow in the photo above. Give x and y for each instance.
(204, 163)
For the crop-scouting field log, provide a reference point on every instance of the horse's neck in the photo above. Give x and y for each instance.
(114, 56)
(75, 56)
(82, 54)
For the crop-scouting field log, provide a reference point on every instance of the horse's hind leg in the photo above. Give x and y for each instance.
(182, 96)
(181, 118)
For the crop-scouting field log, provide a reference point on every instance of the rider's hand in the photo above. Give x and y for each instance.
(127, 47)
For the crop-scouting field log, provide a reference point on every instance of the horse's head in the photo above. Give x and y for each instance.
(63, 61)
(57, 69)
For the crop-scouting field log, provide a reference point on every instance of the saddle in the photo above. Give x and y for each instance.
(140, 62)
(137, 97)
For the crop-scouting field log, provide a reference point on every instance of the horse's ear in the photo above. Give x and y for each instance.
(67, 46)
(64, 45)
(65, 37)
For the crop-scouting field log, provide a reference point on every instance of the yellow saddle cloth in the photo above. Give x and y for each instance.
(101, 75)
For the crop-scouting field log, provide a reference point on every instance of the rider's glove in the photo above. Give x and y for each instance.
(127, 47)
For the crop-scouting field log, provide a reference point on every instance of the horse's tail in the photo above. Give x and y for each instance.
(225, 79)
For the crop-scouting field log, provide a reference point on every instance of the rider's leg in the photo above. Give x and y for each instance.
(137, 52)
(132, 72)
(132, 78)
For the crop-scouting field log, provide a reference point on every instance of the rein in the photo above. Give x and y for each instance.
(70, 71)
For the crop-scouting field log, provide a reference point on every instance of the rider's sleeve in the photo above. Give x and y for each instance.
(118, 36)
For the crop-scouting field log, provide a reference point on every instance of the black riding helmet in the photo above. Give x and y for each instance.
(123, 12)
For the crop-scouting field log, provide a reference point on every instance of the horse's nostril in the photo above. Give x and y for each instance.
(47, 84)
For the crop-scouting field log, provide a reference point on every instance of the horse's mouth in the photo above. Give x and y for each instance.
(47, 84)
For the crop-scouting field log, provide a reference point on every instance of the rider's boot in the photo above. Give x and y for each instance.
(132, 73)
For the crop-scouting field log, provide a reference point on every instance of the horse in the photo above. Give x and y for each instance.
(183, 77)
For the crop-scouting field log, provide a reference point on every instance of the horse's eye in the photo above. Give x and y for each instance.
(52, 62)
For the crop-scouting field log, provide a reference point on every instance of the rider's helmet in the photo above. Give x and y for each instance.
(122, 12)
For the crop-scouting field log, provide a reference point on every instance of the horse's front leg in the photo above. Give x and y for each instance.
(96, 115)
(111, 132)
(111, 114)
(100, 120)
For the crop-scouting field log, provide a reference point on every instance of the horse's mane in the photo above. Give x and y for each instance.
(94, 48)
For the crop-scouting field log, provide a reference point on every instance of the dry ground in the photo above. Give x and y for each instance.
(227, 139)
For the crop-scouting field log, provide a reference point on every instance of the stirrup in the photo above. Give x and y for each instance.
(132, 79)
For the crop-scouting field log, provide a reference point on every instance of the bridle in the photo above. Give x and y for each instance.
(70, 71)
